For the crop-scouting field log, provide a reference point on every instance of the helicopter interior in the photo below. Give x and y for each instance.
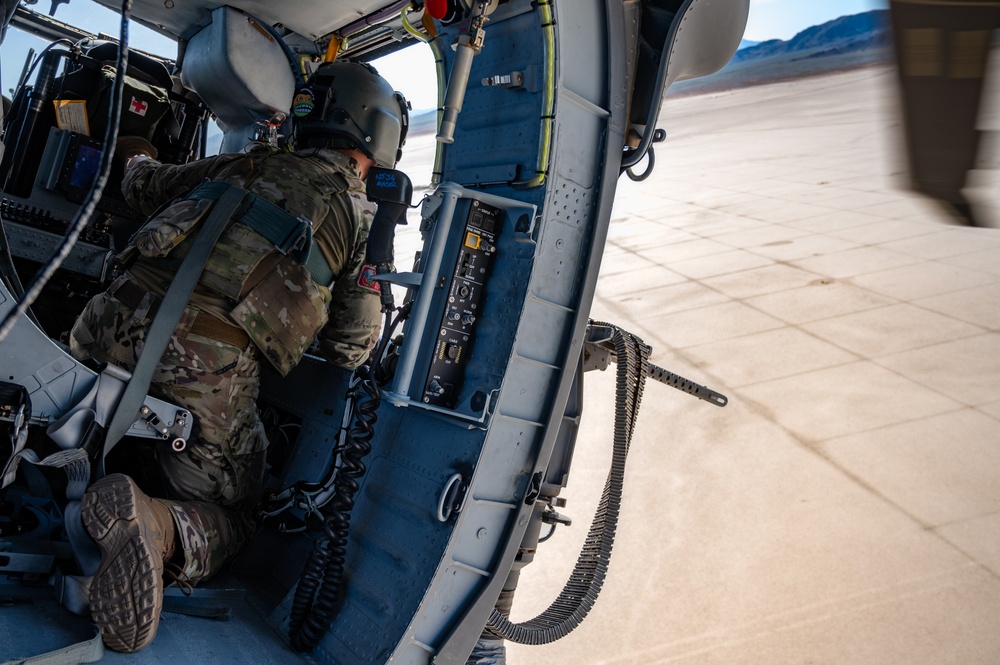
(542, 106)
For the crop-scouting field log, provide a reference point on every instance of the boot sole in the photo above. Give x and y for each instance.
(126, 595)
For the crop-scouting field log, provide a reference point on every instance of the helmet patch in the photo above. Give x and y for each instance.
(352, 102)
(303, 103)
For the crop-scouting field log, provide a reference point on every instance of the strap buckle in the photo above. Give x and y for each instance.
(299, 237)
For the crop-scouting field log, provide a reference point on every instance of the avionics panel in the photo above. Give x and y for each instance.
(465, 300)
(35, 226)
(475, 244)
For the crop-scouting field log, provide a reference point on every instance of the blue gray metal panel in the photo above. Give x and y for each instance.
(576, 201)
(54, 380)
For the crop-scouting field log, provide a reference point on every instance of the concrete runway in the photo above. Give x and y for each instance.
(844, 508)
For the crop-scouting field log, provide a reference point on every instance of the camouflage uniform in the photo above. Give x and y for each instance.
(251, 302)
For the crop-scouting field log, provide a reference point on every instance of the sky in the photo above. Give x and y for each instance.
(783, 19)
(769, 19)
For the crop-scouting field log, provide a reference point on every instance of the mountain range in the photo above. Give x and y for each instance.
(843, 43)
(841, 35)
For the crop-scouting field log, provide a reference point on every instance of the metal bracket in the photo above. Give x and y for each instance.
(598, 354)
(160, 420)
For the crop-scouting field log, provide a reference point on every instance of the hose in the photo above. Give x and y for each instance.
(437, 172)
(409, 27)
(86, 211)
(581, 590)
(639, 177)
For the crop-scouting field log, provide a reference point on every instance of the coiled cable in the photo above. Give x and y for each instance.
(318, 593)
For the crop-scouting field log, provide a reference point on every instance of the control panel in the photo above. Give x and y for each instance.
(41, 219)
(464, 304)
(33, 233)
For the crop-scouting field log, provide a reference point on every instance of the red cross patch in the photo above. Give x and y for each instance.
(366, 280)
(138, 106)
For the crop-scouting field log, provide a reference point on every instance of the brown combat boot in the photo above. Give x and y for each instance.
(136, 535)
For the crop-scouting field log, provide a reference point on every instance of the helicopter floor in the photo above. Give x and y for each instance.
(30, 626)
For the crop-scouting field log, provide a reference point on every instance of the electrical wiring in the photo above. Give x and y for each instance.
(437, 172)
(409, 27)
(86, 210)
(310, 497)
(321, 583)
(548, 99)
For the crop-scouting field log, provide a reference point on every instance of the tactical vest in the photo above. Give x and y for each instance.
(266, 261)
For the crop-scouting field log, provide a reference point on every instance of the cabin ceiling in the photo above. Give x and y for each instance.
(310, 18)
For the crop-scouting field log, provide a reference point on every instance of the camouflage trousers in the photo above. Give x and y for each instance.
(213, 485)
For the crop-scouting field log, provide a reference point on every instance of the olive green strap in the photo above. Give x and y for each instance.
(288, 234)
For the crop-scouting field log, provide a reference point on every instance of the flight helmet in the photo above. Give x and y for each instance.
(348, 105)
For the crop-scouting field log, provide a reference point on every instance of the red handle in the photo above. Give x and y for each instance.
(436, 8)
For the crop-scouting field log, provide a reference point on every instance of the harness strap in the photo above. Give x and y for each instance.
(319, 267)
(15, 404)
(264, 217)
(287, 233)
(89, 651)
(167, 317)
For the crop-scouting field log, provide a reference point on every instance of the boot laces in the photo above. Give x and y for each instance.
(175, 575)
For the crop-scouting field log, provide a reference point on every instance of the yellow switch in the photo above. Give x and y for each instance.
(473, 240)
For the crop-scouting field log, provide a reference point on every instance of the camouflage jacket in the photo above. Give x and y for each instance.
(246, 281)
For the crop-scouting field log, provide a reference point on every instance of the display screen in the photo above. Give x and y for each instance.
(85, 167)
(79, 167)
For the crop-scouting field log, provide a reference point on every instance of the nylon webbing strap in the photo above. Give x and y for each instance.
(88, 651)
(264, 217)
(168, 315)
(287, 233)
(319, 267)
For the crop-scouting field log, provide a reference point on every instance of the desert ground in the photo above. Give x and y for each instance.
(844, 507)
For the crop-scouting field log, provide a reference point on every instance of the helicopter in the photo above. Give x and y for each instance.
(468, 437)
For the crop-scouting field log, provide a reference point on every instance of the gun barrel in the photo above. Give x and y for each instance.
(686, 385)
